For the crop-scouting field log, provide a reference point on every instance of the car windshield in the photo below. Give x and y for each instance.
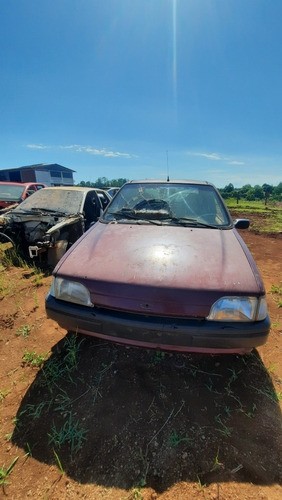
(168, 203)
(68, 201)
(10, 192)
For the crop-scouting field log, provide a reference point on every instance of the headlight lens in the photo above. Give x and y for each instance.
(71, 291)
(238, 309)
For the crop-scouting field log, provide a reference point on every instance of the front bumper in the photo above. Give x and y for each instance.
(173, 334)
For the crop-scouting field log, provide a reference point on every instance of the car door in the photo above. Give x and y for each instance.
(92, 208)
(29, 191)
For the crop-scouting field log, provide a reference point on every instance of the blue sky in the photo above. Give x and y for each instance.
(123, 88)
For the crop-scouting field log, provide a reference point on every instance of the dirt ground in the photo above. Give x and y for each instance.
(94, 420)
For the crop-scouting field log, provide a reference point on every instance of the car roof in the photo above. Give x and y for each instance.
(73, 188)
(11, 183)
(164, 181)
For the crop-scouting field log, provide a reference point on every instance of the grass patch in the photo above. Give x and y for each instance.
(6, 286)
(57, 368)
(71, 433)
(3, 394)
(23, 331)
(30, 358)
(266, 219)
(276, 291)
(6, 471)
(175, 439)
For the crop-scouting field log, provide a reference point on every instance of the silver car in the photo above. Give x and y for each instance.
(45, 225)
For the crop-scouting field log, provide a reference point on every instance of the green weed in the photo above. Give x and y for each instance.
(276, 289)
(23, 331)
(54, 368)
(135, 494)
(175, 439)
(33, 359)
(62, 402)
(3, 394)
(216, 464)
(35, 411)
(70, 433)
(250, 413)
(36, 301)
(29, 452)
(13, 257)
(5, 472)
(59, 463)
(223, 429)
(270, 393)
(159, 356)
(6, 286)
(201, 485)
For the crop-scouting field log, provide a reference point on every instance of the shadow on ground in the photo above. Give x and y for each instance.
(124, 417)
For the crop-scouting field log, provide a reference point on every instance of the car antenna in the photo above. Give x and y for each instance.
(167, 179)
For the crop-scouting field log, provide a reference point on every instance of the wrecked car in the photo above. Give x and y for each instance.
(163, 268)
(13, 193)
(45, 225)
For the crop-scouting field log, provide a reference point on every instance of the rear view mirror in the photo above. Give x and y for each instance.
(241, 223)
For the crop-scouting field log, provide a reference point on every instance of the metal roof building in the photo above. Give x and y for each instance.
(51, 174)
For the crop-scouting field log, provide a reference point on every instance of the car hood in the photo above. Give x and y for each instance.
(161, 270)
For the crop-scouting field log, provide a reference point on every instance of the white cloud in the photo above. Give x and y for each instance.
(234, 162)
(209, 156)
(217, 157)
(107, 153)
(36, 146)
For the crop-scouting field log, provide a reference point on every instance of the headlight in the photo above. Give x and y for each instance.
(238, 309)
(71, 291)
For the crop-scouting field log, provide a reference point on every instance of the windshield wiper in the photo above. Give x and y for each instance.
(128, 213)
(185, 221)
(124, 213)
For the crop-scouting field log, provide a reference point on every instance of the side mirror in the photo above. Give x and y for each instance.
(241, 223)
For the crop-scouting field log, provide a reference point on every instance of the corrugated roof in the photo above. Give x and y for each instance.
(39, 166)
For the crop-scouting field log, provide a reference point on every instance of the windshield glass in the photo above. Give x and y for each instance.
(69, 201)
(10, 192)
(170, 203)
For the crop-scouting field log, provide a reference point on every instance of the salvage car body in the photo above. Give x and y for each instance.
(164, 267)
(49, 222)
(13, 193)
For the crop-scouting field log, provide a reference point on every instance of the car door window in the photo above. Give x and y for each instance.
(104, 200)
(31, 189)
(91, 209)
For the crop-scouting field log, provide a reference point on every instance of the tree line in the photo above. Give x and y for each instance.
(266, 192)
(103, 183)
(247, 192)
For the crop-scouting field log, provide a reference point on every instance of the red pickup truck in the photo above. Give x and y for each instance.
(13, 193)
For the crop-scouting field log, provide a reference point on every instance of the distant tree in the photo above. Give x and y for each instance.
(277, 192)
(229, 188)
(237, 194)
(250, 195)
(104, 183)
(244, 189)
(267, 190)
(227, 191)
(258, 192)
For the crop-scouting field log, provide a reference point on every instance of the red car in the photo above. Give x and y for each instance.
(164, 267)
(13, 193)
